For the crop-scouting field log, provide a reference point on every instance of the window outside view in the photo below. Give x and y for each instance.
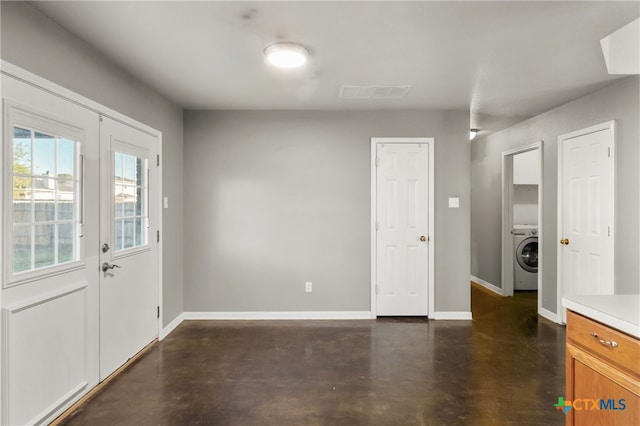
(45, 201)
(130, 191)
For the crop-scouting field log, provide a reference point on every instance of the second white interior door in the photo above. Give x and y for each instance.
(402, 239)
(586, 224)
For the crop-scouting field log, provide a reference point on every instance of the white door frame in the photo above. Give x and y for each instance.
(607, 125)
(430, 142)
(507, 223)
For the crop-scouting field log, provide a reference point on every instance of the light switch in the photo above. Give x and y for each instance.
(454, 202)
(166, 202)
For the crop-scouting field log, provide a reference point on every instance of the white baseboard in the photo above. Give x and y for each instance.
(451, 315)
(309, 315)
(487, 285)
(549, 315)
(171, 326)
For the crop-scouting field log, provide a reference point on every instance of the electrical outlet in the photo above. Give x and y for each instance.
(308, 287)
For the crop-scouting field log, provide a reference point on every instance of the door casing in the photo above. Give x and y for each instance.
(430, 142)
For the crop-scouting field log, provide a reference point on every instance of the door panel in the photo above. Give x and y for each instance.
(50, 253)
(402, 215)
(129, 256)
(586, 252)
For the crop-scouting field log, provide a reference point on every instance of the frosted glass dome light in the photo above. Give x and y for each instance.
(286, 55)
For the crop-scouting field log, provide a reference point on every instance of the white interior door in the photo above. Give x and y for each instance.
(402, 225)
(129, 250)
(586, 205)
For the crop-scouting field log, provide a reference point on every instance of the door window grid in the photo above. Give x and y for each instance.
(130, 201)
(45, 198)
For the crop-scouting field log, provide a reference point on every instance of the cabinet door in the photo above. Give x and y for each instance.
(589, 379)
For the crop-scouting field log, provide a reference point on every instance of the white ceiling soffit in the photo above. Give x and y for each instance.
(621, 49)
(498, 58)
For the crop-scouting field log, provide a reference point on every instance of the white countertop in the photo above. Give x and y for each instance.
(619, 311)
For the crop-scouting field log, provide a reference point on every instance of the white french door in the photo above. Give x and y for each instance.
(79, 191)
(402, 228)
(129, 251)
(586, 200)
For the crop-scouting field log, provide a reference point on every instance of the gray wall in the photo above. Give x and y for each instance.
(278, 198)
(618, 101)
(32, 41)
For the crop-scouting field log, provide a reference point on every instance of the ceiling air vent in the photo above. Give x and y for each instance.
(373, 92)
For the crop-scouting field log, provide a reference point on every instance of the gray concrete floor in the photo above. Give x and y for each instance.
(504, 367)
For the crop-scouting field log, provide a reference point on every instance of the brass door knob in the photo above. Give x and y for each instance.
(423, 238)
(564, 241)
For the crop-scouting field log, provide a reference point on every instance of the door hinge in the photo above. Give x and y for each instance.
(158, 160)
(158, 311)
(377, 289)
(608, 231)
(377, 161)
(377, 225)
(101, 119)
(157, 236)
(609, 152)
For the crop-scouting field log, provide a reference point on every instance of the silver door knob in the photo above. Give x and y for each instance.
(106, 266)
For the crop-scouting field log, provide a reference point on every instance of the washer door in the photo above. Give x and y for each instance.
(527, 254)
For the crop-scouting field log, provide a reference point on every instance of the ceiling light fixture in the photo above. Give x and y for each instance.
(286, 55)
(473, 133)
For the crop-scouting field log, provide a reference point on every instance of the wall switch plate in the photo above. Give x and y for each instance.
(454, 202)
(308, 287)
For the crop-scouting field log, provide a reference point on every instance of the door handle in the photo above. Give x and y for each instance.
(564, 241)
(106, 266)
(423, 238)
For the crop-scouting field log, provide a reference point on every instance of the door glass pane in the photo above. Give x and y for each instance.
(128, 234)
(44, 210)
(65, 198)
(22, 203)
(45, 199)
(139, 200)
(44, 155)
(65, 158)
(22, 248)
(65, 242)
(21, 151)
(44, 245)
(130, 201)
(138, 230)
(118, 235)
(130, 170)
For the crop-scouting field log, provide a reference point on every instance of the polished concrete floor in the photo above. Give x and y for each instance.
(504, 367)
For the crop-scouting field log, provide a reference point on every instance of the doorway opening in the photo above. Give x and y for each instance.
(522, 195)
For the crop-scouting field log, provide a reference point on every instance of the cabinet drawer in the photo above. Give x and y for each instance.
(608, 344)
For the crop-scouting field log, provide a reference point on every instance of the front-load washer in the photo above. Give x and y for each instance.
(525, 243)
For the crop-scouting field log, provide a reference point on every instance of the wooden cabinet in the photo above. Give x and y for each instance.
(603, 374)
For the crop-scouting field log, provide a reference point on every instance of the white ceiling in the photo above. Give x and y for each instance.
(496, 58)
